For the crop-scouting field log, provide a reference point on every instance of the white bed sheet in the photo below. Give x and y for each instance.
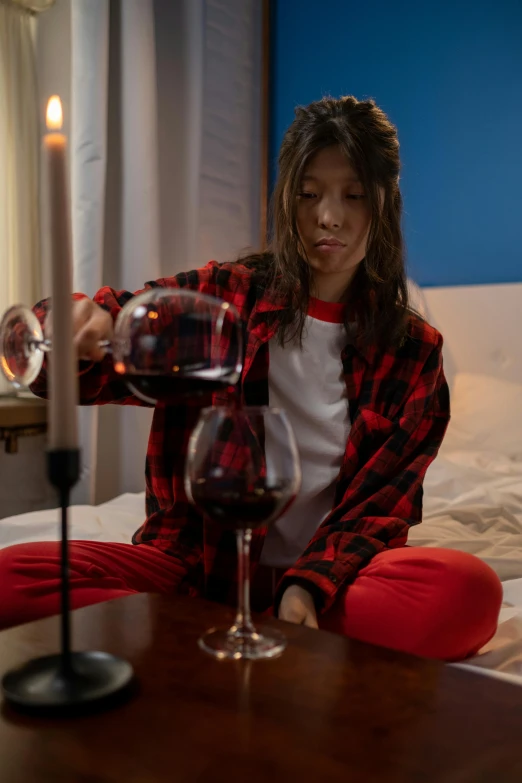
(115, 520)
(472, 502)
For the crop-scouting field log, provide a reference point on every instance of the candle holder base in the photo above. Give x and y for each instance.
(44, 687)
(70, 683)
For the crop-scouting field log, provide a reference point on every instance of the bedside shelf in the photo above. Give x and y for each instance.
(21, 417)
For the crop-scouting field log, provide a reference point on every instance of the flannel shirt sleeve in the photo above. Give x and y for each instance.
(383, 496)
(99, 383)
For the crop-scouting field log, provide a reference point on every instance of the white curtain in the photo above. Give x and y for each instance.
(164, 158)
(88, 165)
(19, 154)
(114, 200)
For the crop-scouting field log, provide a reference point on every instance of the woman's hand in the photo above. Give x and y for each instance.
(297, 606)
(91, 324)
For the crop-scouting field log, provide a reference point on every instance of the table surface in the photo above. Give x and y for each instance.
(329, 709)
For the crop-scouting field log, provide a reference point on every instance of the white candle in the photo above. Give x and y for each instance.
(63, 383)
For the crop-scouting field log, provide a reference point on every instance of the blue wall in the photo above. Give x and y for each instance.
(449, 75)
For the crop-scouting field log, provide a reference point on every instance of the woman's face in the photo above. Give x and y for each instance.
(333, 215)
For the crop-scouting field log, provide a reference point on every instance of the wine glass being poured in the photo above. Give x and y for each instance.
(168, 343)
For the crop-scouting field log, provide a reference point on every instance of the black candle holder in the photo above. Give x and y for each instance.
(69, 682)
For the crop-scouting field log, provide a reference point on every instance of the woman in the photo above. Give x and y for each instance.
(331, 338)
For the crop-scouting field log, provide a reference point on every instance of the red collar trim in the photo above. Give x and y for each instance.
(331, 312)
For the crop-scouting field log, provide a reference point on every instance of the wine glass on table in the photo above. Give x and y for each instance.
(168, 344)
(242, 472)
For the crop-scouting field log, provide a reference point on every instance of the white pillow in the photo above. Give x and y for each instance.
(486, 415)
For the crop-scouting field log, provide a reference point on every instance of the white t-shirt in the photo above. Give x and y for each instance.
(308, 384)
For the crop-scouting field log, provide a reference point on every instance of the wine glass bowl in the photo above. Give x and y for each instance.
(168, 343)
(242, 472)
(172, 343)
(22, 346)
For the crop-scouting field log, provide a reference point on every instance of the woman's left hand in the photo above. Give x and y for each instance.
(297, 606)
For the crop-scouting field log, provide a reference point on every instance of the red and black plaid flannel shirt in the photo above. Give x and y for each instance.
(399, 411)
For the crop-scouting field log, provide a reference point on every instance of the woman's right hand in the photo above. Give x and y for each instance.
(91, 325)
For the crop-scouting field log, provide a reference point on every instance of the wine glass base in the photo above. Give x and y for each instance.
(226, 644)
(95, 680)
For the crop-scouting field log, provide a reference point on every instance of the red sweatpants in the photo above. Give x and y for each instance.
(437, 603)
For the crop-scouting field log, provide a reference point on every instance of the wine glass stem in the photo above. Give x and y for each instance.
(39, 345)
(243, 623)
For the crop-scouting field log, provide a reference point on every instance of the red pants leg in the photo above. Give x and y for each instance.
(437, 603)
(30, 576)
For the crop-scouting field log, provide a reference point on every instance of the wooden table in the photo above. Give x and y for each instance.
(328, 710)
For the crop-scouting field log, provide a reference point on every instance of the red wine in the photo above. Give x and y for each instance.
(237, 509)
(172, 389)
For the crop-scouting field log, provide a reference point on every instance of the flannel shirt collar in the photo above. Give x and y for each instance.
(266, 317)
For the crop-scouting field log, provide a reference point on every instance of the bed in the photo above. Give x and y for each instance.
(473, 490)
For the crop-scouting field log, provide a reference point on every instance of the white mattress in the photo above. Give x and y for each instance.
(473, 502)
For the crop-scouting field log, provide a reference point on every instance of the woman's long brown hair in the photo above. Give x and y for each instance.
(378, 294)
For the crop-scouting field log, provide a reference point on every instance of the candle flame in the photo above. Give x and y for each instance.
(54, 116)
